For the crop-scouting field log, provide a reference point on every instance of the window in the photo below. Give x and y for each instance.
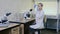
(50, 6)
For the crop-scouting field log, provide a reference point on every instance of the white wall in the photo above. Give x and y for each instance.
(14, 5)
(8, 5)
(59, 7)
(26, 4)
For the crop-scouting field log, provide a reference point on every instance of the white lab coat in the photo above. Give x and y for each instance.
(39, 20)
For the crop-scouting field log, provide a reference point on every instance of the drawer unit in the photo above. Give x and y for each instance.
(15, 30)
(22, 28)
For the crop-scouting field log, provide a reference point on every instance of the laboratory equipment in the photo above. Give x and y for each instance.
(4, 20)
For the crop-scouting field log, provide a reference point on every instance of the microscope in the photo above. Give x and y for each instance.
(3, 19)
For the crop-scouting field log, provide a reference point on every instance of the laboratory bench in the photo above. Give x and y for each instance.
(24, 25)
(21, 27)
(13, 28)
(52, 24)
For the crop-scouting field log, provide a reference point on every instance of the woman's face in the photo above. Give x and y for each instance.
(39, 6)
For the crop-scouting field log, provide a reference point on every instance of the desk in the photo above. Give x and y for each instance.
(25, 25)
(13, 28)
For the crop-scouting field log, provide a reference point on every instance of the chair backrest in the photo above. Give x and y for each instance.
(45, 19)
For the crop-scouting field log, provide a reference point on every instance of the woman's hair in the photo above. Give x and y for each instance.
(40, 4)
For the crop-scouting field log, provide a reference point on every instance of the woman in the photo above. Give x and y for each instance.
(39, 18)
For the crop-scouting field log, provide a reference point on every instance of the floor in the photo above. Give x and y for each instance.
(49, 31)
(52, 24)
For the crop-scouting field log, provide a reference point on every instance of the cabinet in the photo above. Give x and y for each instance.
(22, 29)
(15, 30)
